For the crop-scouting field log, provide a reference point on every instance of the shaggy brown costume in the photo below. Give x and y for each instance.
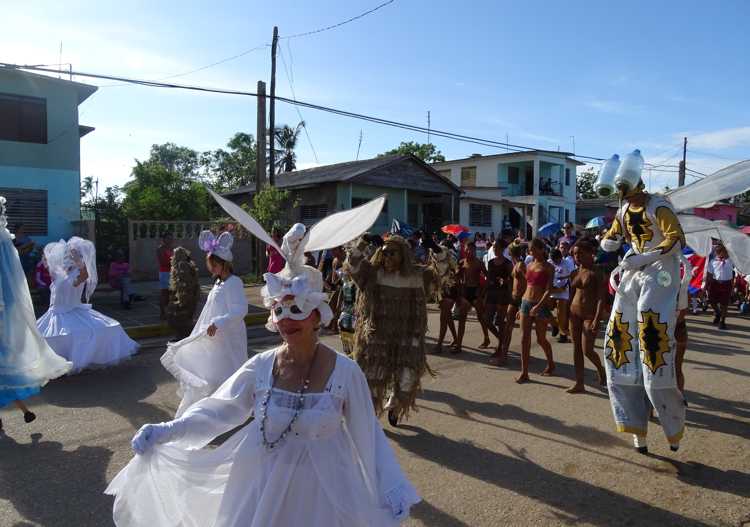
(184, 291)
(391, 312)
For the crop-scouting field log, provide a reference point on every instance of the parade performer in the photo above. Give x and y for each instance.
(639, 342)
(217, 346)
(348, 317)
(315, 453)
(447, 292)
(73, 329)
(389, 339)
(184, 293)
(26, 361)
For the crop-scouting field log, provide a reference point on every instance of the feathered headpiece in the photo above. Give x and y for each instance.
(220, 245)
(297, 280)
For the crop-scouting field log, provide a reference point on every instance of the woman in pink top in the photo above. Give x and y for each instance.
(275, 260)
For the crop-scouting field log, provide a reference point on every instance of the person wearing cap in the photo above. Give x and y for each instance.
(314, 454)
(569, 234)
(217, 346)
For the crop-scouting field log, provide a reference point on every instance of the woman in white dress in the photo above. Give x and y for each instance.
(73, 329)
(217, 346)
(315, 454)
(26, 361)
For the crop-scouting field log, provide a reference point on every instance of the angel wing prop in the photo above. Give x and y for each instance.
(245, 219)
(345, 226)
(727, 182)
(698, 234)
(337, 229)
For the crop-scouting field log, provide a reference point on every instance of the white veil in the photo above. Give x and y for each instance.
(87, 253)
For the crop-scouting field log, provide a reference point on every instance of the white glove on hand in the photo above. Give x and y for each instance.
(150, 435)
(610, 246)
(637, 261)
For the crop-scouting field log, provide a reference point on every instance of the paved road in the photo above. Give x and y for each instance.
(482, 450)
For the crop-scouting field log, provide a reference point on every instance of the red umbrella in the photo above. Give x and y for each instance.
(746, 229)
(454, 229)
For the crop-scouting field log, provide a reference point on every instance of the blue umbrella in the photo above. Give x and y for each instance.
(598, 222)
(548, 229)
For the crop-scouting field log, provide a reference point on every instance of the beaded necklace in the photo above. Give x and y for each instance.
(270, 445)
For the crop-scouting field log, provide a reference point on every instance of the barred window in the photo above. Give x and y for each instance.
(313, 213)
(480, 215)
(27, 206)
(468, 176)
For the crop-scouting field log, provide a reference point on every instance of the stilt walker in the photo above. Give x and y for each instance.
(639, 343)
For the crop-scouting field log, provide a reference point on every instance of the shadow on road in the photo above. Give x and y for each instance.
(703, 413)
(431, 515)
(52, 487)
(508, 412)
(576, 501)
(712, 478)
(121, 389)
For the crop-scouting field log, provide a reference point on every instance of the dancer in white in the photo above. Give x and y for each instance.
(315, 454)
(26, 361)
(73, 329)
(217, 346)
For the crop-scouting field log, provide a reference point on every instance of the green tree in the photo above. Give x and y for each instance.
(270, 206)
(427, 152)
(232, 168)
(585, 182)
(87, 186)
(286, 139)
(158, 193)
(180, 159)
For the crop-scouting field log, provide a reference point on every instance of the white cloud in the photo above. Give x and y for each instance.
(608, 106)
(719, 139)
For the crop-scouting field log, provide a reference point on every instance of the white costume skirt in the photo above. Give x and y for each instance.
(85, 337)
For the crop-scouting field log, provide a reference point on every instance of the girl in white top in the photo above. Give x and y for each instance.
(217, 346)
(315, 454)
(73, 329)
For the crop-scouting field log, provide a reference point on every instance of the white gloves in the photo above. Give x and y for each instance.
(154, 434)
(610, 245)
(638, 261)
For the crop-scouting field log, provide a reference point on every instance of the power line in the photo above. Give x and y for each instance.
(295, 102)
(710, 155)
(294, 95)
(334, 26)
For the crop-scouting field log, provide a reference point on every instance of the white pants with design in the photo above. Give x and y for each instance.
(639, 350)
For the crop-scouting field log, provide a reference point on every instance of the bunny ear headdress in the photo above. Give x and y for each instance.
(220, 245)
(297, 280)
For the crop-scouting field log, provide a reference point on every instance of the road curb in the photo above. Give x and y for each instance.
(163, 330)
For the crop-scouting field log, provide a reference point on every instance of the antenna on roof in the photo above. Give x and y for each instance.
(59, 64)
(359, 145)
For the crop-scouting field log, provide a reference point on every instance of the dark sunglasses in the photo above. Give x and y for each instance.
(280, 310)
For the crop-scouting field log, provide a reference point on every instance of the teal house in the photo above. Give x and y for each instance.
(416, 193)
(40, 137)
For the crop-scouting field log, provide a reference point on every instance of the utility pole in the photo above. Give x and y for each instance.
(681, 177)
(272, 109)
(260, 165)
(260, 161)
(428, 126)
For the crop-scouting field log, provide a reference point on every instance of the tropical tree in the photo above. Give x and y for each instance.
(286, 139)
(232, 168)
(585, 182)
(271, 205)
(427, 152)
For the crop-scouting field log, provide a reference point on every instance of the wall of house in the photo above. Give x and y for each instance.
(718, 212)
(63, 149)
(513, 189)
(63, 196)
(498, 214)
(396, 203)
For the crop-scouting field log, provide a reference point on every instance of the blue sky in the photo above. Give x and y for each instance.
(613, 75)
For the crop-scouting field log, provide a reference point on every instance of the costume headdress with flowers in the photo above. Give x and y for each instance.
(297, 280)
(220, 245)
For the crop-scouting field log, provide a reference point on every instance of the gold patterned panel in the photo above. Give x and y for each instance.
(653, 339)
(619, 341)
(638, 227)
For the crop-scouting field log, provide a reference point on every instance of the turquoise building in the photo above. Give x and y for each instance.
(40, 160)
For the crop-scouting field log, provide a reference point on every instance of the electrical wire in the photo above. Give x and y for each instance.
(299, 113)
(334, 26)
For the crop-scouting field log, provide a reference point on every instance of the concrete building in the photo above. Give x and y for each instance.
(40, 171)
(521, 188)
(417, 195)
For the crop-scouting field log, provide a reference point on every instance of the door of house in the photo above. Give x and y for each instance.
(432, 217)
(529, 181)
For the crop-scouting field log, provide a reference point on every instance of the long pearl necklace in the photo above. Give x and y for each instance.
(270, 445)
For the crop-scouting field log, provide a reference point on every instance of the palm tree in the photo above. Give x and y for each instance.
(286, 139)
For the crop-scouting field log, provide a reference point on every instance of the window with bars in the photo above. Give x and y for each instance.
(480, 215)
(468, 176)
(513, 175)
(567, 177)
(313, 213)
(27, 206)
(23, 119)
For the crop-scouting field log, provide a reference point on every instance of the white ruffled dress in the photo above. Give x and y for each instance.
(201, 363)
(334, 469)
(80, 334)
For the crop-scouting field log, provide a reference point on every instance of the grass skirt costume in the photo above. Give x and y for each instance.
(389, 336)
(26, 361)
